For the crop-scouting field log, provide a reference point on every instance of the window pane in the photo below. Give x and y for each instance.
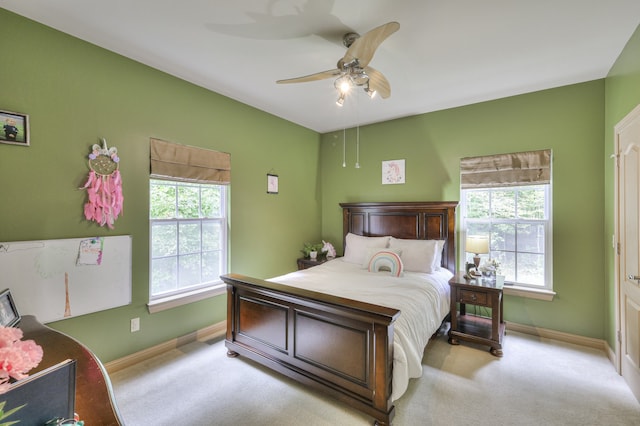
(530, 268)
(211, 201)
(478, 204)
(211, 236)
(503, 204)
(164, 239)
(503, 236)
(162, 200)
(531, 203)
(188, 202)
(507, 260)
(211, 266)
(190, 238)
(189, 270)
(531, 238)
(164, 275)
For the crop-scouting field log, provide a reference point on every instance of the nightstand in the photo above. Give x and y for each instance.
(305, 262)
(474, 328)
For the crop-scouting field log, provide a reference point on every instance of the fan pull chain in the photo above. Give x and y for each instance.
(344, 147)
(358, 147)
(357, 132)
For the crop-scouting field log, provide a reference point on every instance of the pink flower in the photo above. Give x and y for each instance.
(9, 335)
(17, 357)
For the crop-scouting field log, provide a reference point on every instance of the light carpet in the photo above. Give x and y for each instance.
(537, 382)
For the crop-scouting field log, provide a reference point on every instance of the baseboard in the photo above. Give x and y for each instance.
(210, 332)
(611, 354)
(557, 335)
(219, 329)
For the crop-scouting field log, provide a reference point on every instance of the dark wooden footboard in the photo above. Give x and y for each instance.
(340, 346)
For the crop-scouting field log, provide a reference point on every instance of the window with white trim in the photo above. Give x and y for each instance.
(188, 208)
(507, 198)
(188, 236)
(517, 222)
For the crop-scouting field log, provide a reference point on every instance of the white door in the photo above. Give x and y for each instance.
(628, 149)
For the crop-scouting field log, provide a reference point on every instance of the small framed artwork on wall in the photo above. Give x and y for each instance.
(15, 128)
(272, 184)
(9, 315)
(392, 172)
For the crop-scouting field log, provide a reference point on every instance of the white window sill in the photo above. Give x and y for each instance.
(528, 292)
(165, 303)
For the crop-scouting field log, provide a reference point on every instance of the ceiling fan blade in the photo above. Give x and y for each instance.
(378, 82)
(312, 77)
(364, 47)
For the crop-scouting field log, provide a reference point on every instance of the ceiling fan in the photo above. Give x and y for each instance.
(353, 68)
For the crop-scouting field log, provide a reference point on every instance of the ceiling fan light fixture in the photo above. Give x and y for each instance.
(361, 79)
(340, 100)
(370, 92)
(343, 84)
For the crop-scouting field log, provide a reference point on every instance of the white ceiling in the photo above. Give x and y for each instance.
(447, 53)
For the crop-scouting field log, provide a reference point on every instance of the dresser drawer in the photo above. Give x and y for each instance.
(473, 297)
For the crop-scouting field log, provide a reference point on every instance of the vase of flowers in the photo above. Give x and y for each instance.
(490, 268)
(17, 358)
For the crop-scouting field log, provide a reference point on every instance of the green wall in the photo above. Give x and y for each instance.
(76, 93)
(569, 120)
(622, 95)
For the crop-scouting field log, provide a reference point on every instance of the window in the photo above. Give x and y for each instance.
(188, 207)
(188, 236)
(507, 197)
(516, 220)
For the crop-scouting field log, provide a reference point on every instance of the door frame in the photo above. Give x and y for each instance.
(632, 115)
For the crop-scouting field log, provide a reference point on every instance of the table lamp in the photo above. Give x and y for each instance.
(477, 245)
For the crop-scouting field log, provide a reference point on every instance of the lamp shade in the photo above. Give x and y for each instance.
(477, 244)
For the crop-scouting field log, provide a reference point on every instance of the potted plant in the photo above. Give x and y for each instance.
(310, 250)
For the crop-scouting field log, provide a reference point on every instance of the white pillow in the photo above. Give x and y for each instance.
(417, 255)
(356, 247)
(372, 251)
(437, 264)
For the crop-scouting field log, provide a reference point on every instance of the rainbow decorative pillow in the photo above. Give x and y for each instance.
(386, 260)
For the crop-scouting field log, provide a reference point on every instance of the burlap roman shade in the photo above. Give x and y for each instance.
(516, 169)
(188, 163)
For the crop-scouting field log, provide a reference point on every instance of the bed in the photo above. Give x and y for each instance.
(348, 346)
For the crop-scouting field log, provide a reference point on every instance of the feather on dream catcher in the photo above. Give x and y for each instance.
(104, 186)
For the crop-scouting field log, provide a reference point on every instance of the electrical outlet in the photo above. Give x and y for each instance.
(135, 324)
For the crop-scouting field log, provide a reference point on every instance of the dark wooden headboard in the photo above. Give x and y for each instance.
(420, 220)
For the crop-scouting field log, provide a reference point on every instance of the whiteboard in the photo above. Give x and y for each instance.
(59, 279)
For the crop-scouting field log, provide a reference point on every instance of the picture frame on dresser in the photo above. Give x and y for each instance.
(9, 315)
(14, 128)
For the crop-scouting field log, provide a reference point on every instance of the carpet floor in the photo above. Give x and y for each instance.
(537, 382)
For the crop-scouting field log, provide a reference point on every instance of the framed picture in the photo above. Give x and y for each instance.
(272, 184)
(14, 128)
(392, 172)
(9, 315)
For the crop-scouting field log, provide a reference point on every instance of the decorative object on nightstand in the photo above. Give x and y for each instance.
(309, 249)
(474, 328)
(477, 245)
(328, 249)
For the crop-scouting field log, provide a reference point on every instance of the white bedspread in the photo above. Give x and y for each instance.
(423, 300)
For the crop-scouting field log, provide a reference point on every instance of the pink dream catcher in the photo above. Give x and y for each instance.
(104, 186)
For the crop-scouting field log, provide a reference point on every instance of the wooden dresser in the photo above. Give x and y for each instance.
(95, 402)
